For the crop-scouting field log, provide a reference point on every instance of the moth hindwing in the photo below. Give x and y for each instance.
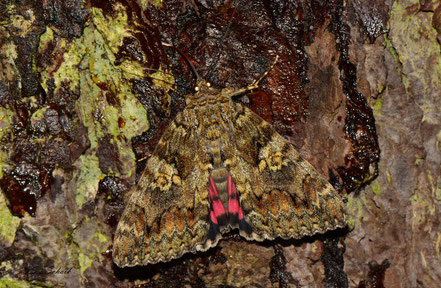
(220, 166)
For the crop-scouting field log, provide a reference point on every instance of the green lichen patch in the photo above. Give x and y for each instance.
(438, 190)
(12, 283)
(8, 223)
(163, 79)
(70, 53)
(376, 187)
(437, 246)
(435, 185)
(93, 242)
(86, 176)
(100, 237)
(112, 27)
(376, 106)
(423, 207)
(6, 117)
(145, 3)
(414, 40)
(38, 115)
(84, 261)
(107, 105)
(23, 23)
(45, 39)
(355, 208)
(8, 55)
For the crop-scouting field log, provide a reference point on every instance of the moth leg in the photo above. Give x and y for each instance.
(231, 92)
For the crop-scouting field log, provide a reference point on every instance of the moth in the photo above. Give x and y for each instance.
(217, 167)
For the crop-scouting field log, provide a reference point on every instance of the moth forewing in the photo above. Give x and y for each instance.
(220, 166)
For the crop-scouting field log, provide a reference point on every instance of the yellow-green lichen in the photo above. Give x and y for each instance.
(377, 104)
(438, 190)
(114, 28)
(38, 115)
(437, 246)
(23, 24)
(355, 208)
(91, 251)
(106, 105)
(422, 206)
(7, 9)
(435, 185)
(85, 262)
(67, 72)
(46, 38)
(8, 223)
(390, 47)
(123, 119)
(8, 55)
(376, 187)
(134, 115)
(101, 237)
(145, 3)
(163, 79)
(3, 160)
(5, 266)
(438, 140)
(314, 247)
(87, 175)
(414, 39)
(6, 117)
(99, 63)
(95, 246)
(7, 282)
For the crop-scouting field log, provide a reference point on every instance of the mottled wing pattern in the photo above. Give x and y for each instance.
(167, 213)
(220, 166)
(281, 194)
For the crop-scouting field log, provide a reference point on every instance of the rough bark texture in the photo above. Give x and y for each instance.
(87, 88)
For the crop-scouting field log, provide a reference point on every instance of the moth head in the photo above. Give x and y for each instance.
(202, 89)
(203, 86)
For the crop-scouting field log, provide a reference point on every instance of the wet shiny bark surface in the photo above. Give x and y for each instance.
(87, 89)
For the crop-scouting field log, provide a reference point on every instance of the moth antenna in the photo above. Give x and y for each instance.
(256, 82)
(177, 92)
(156, 70)
(171, 87)
(155, 78)
(185, 57)
(142, 159)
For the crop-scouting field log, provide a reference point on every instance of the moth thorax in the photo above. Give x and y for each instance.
(213, 134)
(213, 129)
(216, 157)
